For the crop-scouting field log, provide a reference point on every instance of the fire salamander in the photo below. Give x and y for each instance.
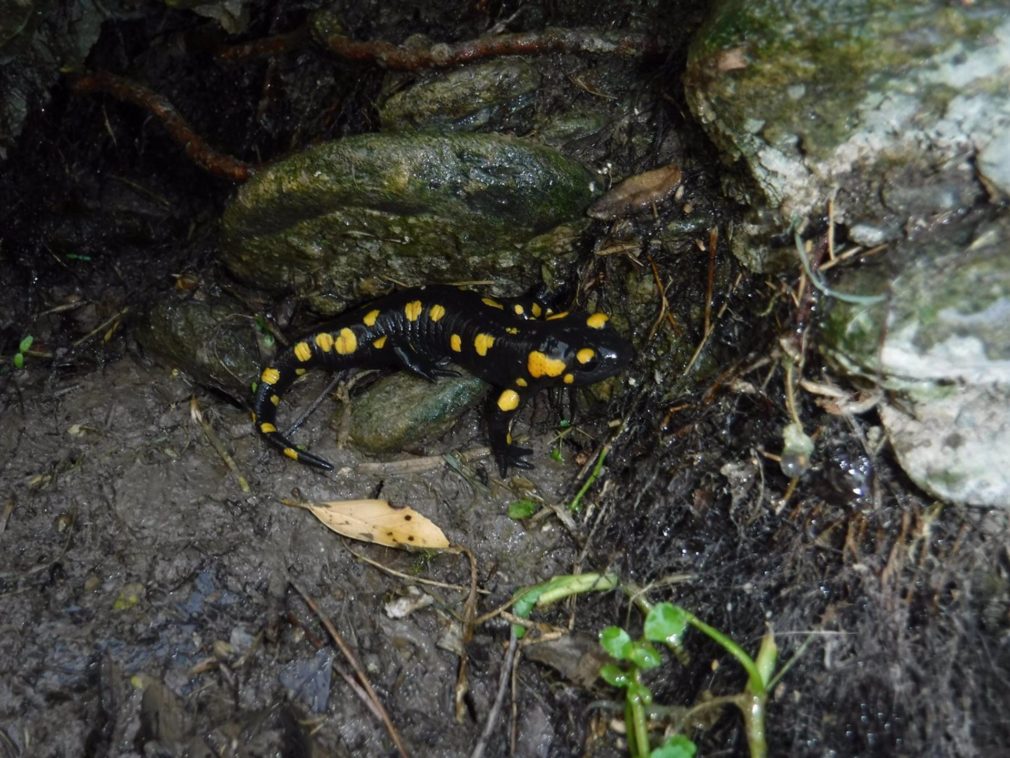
(518, 346)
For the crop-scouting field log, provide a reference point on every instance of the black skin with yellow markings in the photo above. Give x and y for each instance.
(517, 345)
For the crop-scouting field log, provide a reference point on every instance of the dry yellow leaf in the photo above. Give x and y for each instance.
(379, 522)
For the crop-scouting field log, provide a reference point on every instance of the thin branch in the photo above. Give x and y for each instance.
(493, 714)
(352, 659)
(192, 143)
(441, 55)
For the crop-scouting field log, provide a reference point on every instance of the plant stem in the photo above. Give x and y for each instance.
(637, 728)
(755, 682)
(753, 709)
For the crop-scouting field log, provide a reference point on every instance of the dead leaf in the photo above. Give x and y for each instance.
(638, 193)
(731, 60)
(379, 522)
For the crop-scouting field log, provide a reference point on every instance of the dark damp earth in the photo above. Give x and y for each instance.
(152, 594)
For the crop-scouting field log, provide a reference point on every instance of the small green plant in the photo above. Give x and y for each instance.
(522, 509)
(558, 588)
(576, 503)
(23, 347)
(666, 623)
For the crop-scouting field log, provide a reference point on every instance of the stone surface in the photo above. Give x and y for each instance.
(940, 344)
(885, 104)
(340, 221)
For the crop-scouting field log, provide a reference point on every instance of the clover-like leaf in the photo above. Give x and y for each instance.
(614, 675)
(644, 655)
(667, 623)
(616, 642)
(677, 746)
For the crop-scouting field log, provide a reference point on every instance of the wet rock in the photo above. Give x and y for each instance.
(339, 221)
(887, 104)
(940, 344)
(214, 341)
(401, 410)
(494, 95)
(577, 123)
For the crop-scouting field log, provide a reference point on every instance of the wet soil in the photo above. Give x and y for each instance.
(132, 555)
(149, 605)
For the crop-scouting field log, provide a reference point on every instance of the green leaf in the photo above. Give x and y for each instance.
(667, 623)
(644, 655)
(524, 604)
(556, 454)
(616, 642)
(19, 360)
(613, 674)
(26, 344)
(522, 509)
(767, 657)
(677, 746)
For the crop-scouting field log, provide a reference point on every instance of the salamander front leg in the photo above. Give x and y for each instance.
(504, 408)
(421, 365)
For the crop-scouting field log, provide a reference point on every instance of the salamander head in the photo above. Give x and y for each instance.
(581, 349)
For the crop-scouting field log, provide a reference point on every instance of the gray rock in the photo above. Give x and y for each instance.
(940, 344)
(885, 104)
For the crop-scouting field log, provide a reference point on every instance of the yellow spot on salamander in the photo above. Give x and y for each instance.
(508, 400)
(518, 309)
(456, 343)
(556, 316)
(492, 302)
(508, 438)
(346, 342)
(302, 351)
(275, 399)
(270, 376)
(569, 378)
(597, 320)
(512, 329)
(325, 341)
(291, 453)
(370, 317)
(538, 364)
(267, 428)
(536, 310)
(436, 312)
(520, 382)
(379, 343)
(585, 355)
(300, 371)
(412, 310)
(482, 343)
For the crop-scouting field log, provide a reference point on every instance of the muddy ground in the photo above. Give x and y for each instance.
(150, 605)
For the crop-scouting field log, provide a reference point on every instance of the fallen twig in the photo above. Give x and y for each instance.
(503, 681)
(441, 55)
(351, 658)
(192, 143)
